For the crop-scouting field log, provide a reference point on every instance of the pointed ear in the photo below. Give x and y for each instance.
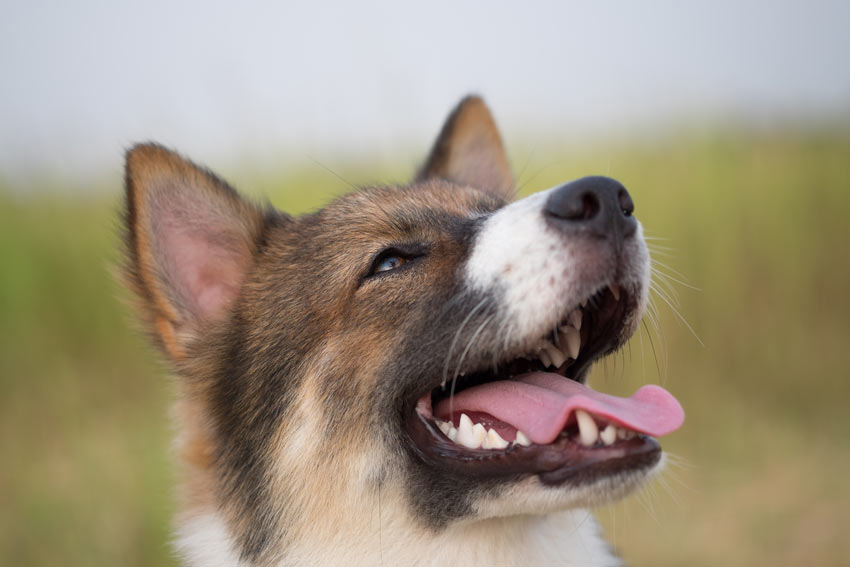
(190, 240)
(469, 151)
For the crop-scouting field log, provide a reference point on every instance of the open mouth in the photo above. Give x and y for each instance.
(533, 414)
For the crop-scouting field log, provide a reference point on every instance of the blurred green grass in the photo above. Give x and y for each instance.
(757, 222)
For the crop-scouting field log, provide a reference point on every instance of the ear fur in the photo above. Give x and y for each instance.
(190, 240)
(469, 151)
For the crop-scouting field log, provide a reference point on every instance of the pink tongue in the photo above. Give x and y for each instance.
(540, 404)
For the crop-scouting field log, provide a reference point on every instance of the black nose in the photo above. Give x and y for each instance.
(597, 205)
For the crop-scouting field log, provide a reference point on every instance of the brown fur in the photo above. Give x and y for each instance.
(295, 357)
(261, 248)
(469, 151)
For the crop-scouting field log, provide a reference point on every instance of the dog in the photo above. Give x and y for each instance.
(399, 377)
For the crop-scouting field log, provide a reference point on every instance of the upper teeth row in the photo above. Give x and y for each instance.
(476, 436)
(569, 342)
(569, 337)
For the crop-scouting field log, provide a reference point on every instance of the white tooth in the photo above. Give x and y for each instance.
(522, 439)
(444, 426)
(494, 441)
(587, 428)
(574, 318)
(452, 434)
(465, 436)
(479, 434)
(555, 355)
(544, 358)
(573, 339)
(558, 358)
(615, 290)
(465, 422)
(609, 434)
(584, 302)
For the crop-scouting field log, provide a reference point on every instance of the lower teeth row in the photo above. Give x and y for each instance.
(589, 433)
(476, 436)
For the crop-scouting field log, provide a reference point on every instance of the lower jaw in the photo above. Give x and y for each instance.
(564, 461)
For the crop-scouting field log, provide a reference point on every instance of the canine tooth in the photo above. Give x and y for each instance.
(522, 439)
(464, 425)
(608, 435)
(558, 358)
(574, 319)
(452, 434)
(465, 434)
(544, 358)
(615, 290)
(587, 428)
(555, 355)
(584, 302)
(573, 340)
(479, 434)
(494, 440)
(444, 426)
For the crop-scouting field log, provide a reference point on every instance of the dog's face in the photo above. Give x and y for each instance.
(362, 350)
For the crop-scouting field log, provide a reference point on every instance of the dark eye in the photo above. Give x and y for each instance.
(389, 263)
(394, 258)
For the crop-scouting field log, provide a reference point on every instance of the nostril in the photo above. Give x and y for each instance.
(595, 205)
(590, 206)
(626, 203)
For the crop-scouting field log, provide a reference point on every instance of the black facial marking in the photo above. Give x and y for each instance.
(305, 293)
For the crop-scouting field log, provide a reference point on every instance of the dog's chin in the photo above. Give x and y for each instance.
(530, 496)
(591, 459)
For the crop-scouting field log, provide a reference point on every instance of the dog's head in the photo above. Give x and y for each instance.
(428, 343)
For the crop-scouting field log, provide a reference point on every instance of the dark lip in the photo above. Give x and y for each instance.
(559, 462)
(564, 459)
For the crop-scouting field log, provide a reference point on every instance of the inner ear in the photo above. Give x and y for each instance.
(469, 151)
(191, 240)
(201, 254)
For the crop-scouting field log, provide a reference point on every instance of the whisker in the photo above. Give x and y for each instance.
(679, 462)
(645, 500)
(682, 279)
(669, 490)
(663, 281)
(538, 172)
(524, 167)
(660, 247)
(667, 278)
(655, 355)
(462, 357)
(642, 356)
(456, 338)
(678, 315)
(332, 172)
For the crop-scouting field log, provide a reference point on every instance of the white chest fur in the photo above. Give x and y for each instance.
(566, 538)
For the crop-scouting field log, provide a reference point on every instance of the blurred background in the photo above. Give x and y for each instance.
(728, 121)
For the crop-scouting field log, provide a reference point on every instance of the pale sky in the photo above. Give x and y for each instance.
(83, 79)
